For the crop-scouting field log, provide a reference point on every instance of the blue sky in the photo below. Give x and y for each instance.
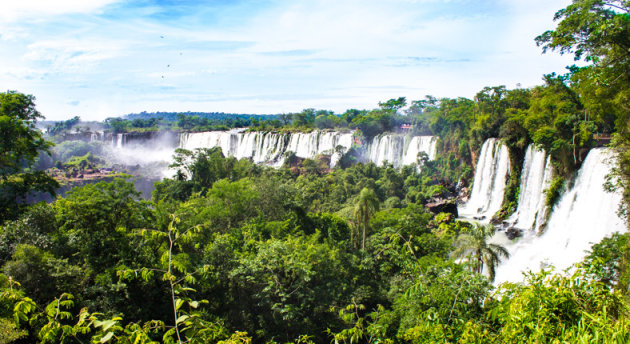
(102, 58)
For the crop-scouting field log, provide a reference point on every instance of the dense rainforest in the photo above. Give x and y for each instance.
(229, 251)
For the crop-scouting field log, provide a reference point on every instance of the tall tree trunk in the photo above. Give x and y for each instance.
(363, 243)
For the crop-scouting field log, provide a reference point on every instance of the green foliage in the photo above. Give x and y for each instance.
(302, 253)
(84, 162)
(197, 170)
(9, 333)
(472, 247)
(34, 227)
(93, 221)
(20, 144)
(41, 273)
(62, 126)
(439, 298)
(555, 190)
(555, 308)
(367, 204)
(597, 32)
(225, 206)
(66, 150)
(117, 125)
(289, 284)
(607, 262)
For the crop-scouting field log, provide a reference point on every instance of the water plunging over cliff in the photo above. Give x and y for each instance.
(120, 140)
(535, 179)
(270, 148)
(489, 183)
(584, 215)
(400, 150)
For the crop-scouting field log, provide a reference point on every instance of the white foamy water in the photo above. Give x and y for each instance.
(535, 179)
(489, 184)
(120, 140)
(584, 215)
(400, 150)
(270, 148)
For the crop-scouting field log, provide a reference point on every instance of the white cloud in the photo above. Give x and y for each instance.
(72, 54)
(12, 11)
(296, 54)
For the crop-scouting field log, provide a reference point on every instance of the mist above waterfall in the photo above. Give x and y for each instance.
(150, 155)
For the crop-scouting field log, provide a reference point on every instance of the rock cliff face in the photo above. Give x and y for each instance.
(443, 206)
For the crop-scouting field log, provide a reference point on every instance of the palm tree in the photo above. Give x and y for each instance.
(473, 245)
(367, 204)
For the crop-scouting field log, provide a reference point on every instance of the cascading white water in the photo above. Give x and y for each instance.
(96, 136)
(269, 148)
(119, 140)
(584, 215)
(400, 150)
(489, 183)
(535, 178)
(417, 144)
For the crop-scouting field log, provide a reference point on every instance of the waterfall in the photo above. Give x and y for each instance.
(535, 178)
(489, 184)
(584, 215)
(269, 148)
(96, 136)
(119, 140)
(417, 144)
(400, 150)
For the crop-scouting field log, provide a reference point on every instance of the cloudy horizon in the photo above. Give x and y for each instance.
(103, 58)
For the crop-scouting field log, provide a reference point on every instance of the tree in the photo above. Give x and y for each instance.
(118, 125)
(596, 30)
(474, 247)
(556, 308)
(367, 204)
(203, 166)
(95, 219)
(351, 114)
(286, 287)
(20, 144)
(59, 127)
(285, 118)
(393, 105)
(304, 118)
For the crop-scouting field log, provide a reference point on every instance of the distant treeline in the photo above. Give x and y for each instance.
(173, 116)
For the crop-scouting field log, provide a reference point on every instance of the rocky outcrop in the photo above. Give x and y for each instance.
(443, 206)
